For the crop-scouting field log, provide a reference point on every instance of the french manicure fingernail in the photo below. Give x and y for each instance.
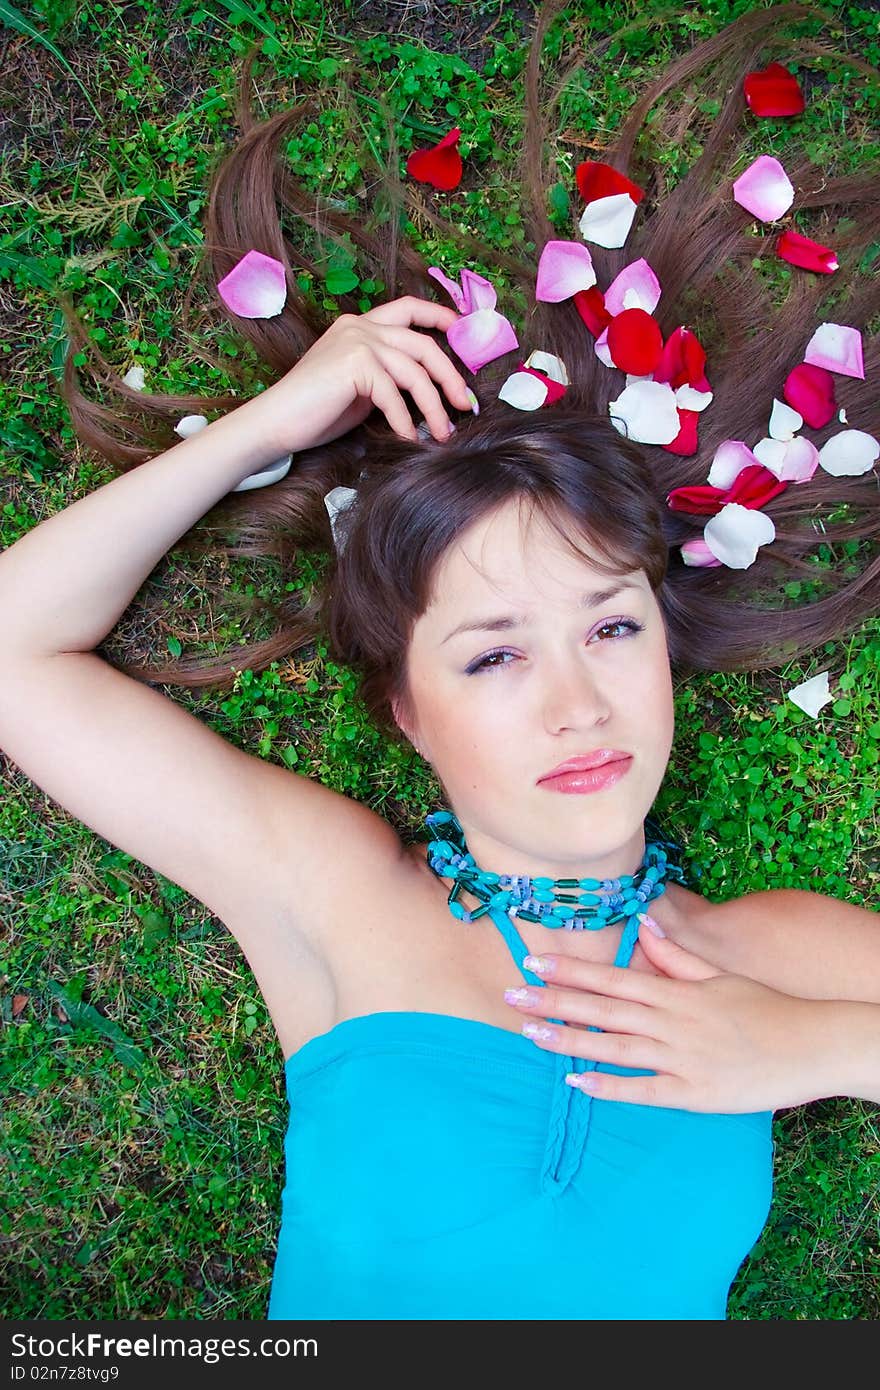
(653, 927)
(538, 1031)
(521, 996)
(540, 965)
(475, 404)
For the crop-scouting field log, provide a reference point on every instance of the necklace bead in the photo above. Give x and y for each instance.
(546, 901)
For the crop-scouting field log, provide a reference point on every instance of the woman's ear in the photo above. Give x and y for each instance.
(404, 724)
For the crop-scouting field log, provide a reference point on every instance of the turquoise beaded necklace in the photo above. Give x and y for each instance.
(577, 904)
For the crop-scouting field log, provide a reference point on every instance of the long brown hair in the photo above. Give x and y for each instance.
(413, 500)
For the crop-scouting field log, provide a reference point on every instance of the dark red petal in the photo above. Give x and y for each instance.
(810, 391)
(598, 180)
(682, 361)
(635, 341)
(685, 442)
(773, 92)
(800, 250)
(697, 501)
(555, 389)
(439, 166)
(590, 304)
(753, 486)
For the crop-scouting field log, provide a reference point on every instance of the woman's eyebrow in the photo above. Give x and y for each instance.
(505, 622)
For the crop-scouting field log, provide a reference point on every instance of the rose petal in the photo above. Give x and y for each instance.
(480, 337)
(551, 366)
(190, 424)
(600, 347)
(555, 389)
(770, 453)
(697, 552)
(635, 287)
(685, 442)
(607, 221)
(809, 255)
(635, 341)
(800, 462)
(565, 268)
(272, 473)
(134, 378)
(255, 288)
(754, 487)
(337, 500)
(811, 695)
(590, 304)
(849, 453)
(479, 293)
(454, 291)
(524, 390)
(773, 92)
(730, 458)
(837, 348)
(440, 165)
(735, 535)
(646, 412)
(598, 180)
(764, 189)
(683, 361)
(688, 398)
(810, 391)
(784, 422)
(841, 415)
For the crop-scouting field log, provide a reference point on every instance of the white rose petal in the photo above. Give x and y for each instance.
(784, 422)
(770, 452)
(735, 534)
(607, 221)
(524, 391)
(646, 412)
(551, 366)
(688, 398)
(811, 695)
(134, 378)
(849, 453)
(190, 424)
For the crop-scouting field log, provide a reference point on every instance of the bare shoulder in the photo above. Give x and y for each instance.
(793, 939)
(310, 881)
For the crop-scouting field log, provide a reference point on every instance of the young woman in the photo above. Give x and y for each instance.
(513, 596)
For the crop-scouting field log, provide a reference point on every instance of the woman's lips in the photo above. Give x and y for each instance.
(594, 779)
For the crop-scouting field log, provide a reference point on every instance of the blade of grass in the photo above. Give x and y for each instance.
(14, 19)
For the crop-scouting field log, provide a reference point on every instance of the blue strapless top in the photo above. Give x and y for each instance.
(440, 1168)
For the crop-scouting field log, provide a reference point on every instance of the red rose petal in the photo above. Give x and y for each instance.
(800, 250)
(598, 180)
(590, 304)
(810, 391)
(683, 361)
(555, 389)
(439, 166)
(754, 486)
(773, 92)
(696, 501)
(635, 341)
(685, 442)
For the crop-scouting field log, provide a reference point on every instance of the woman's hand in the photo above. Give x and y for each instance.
(717, 1042)
(362, 361)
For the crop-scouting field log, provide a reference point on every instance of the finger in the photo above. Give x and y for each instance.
(410, 309)
(435, 361)
(620, 1049)
(673, 959)
(639, 985)
(596, 1010)
(386, 397)
(411, 376)
(665, 1092)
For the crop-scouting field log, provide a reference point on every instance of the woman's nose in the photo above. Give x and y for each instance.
(574, 698)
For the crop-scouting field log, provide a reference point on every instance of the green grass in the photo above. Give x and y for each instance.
(142, 1098)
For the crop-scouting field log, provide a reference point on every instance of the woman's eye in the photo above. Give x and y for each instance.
(494, 661)
(626, 623)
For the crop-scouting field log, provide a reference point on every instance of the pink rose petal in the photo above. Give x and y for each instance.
(452, 289)
(565, 268)
(697, 552)
(635, 287)
(601, 349)
(731, 457)
(255, 288)
(646, 412)
(837, 348)
(735, 534)
(524, 391)
(849, 453)
(790, 460)
(480, 337)
(607, 221)
(764, 189)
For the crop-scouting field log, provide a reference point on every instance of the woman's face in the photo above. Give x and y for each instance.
(542, 674)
